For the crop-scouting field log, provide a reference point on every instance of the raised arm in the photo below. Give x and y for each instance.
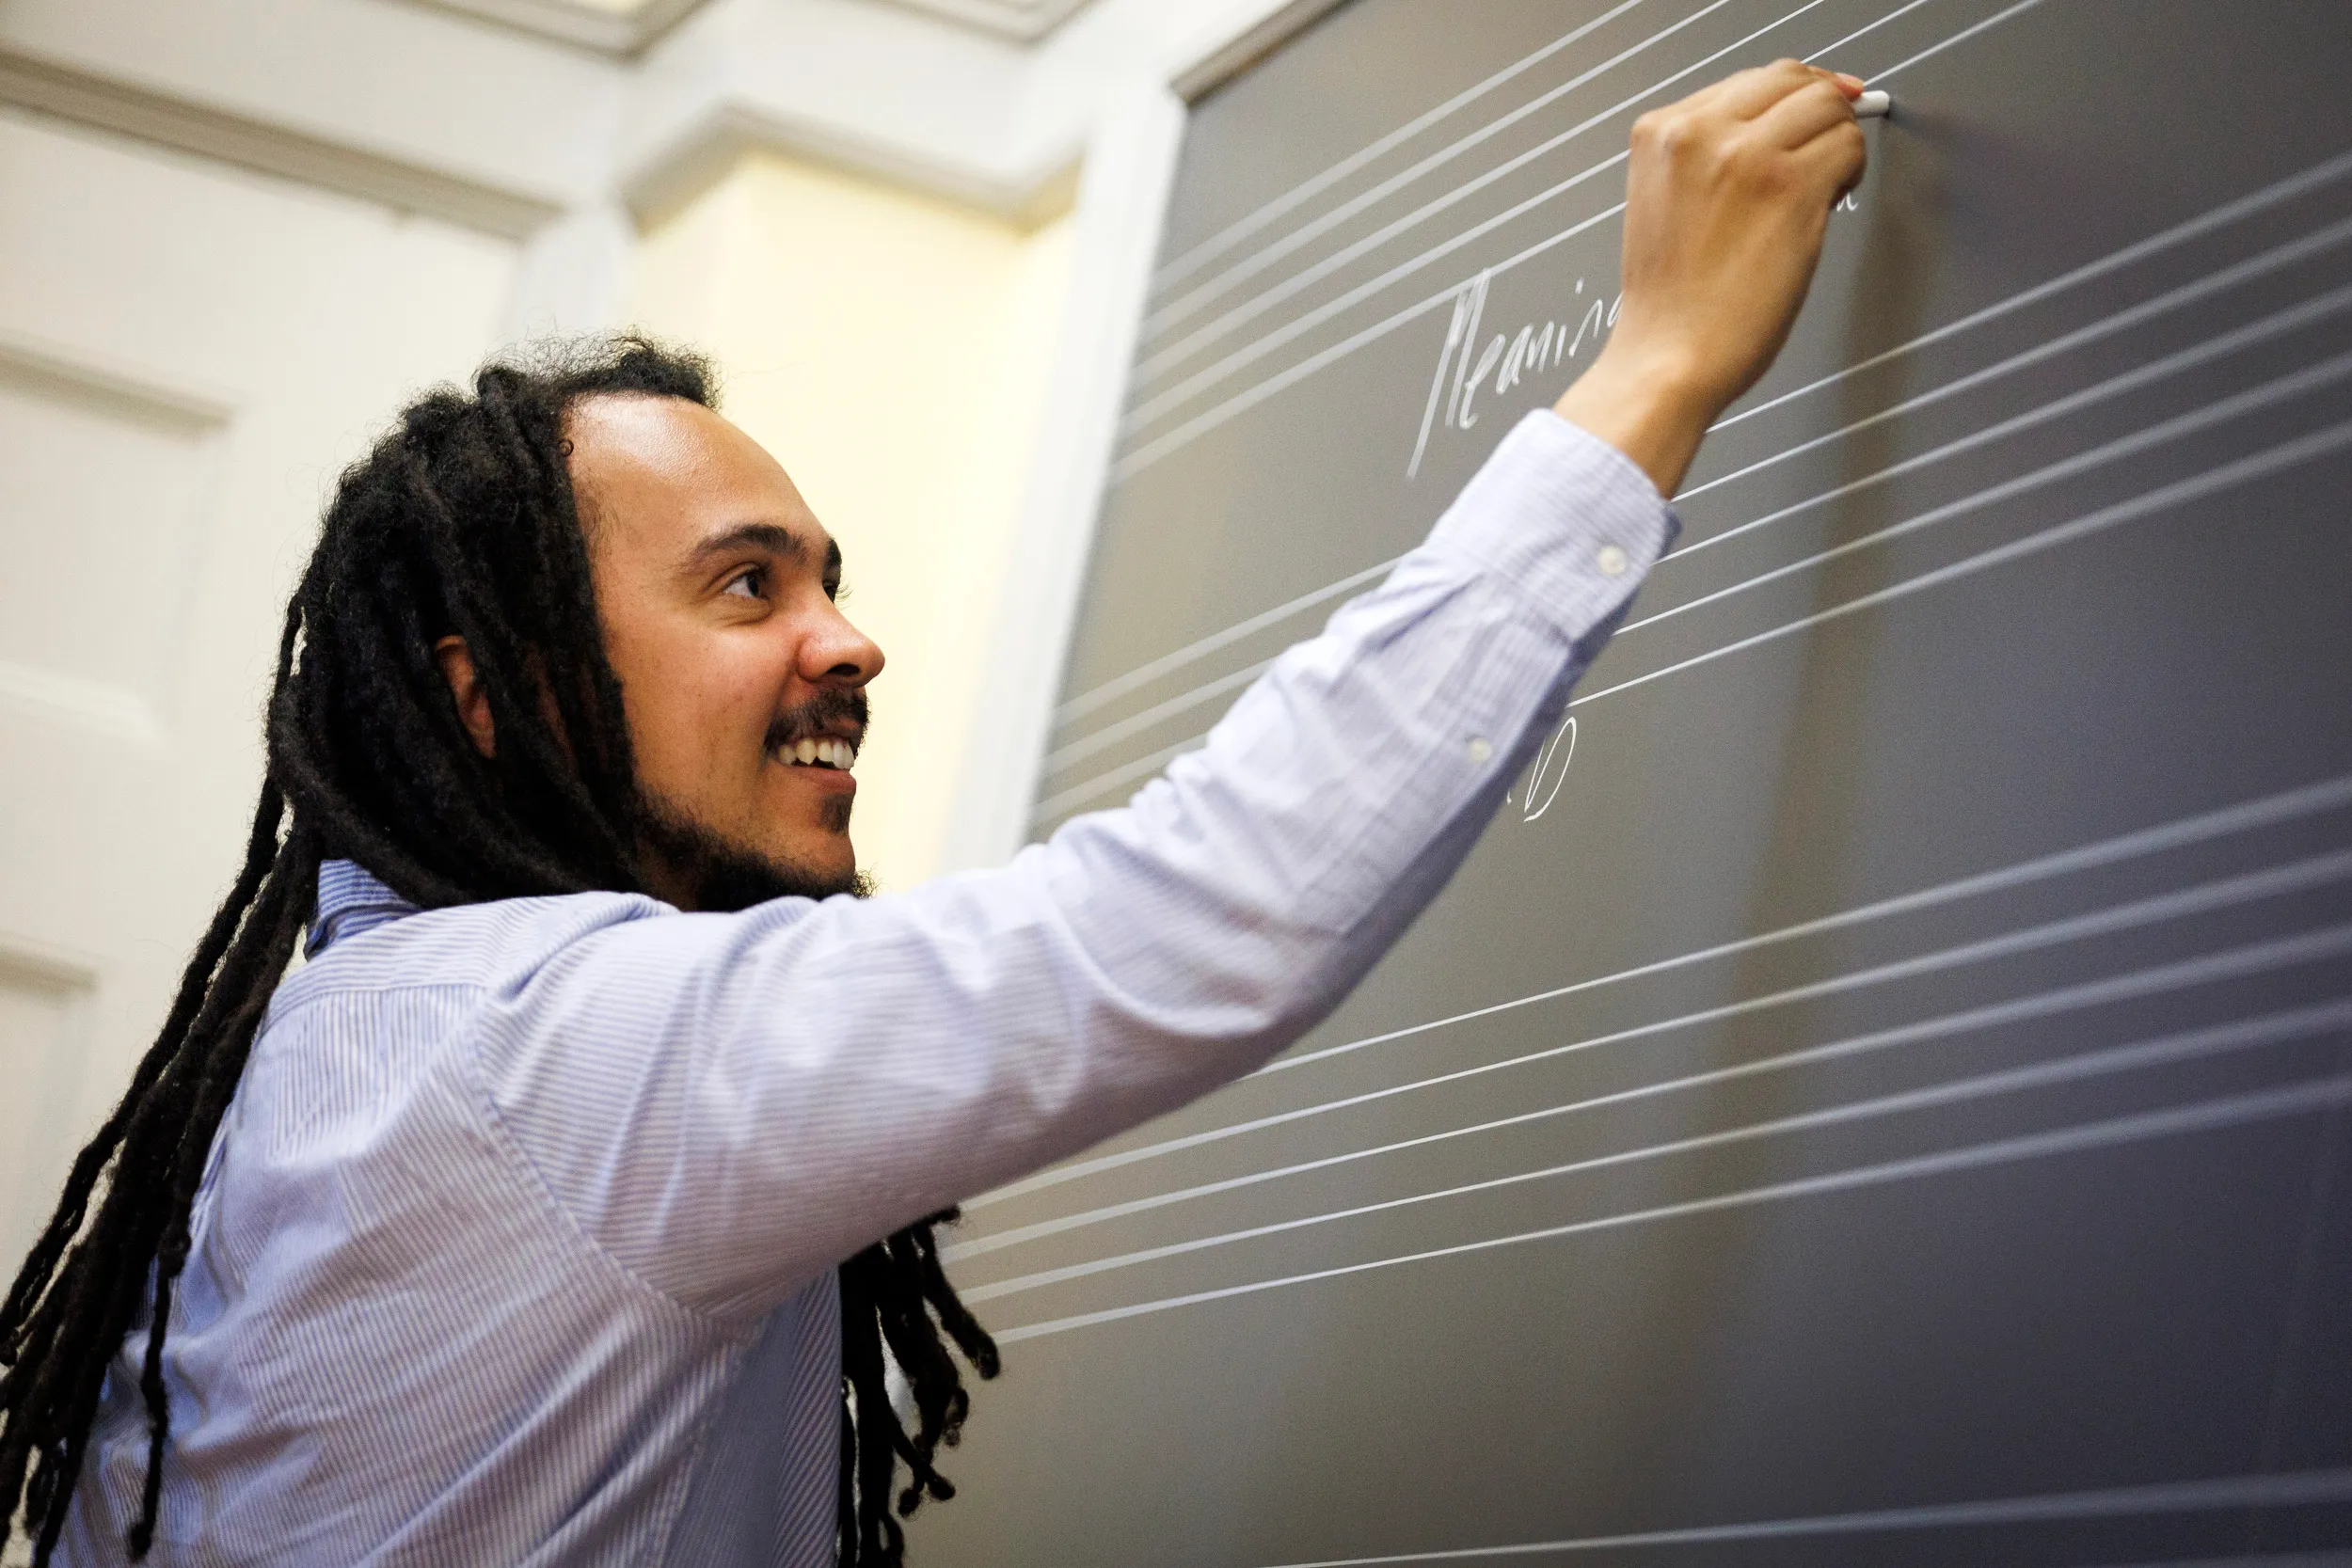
(731, 1103)
(1727, 194)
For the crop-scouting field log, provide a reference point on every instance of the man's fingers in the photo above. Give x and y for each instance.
(1834, 159)
(1749, 94)
(1804, 114)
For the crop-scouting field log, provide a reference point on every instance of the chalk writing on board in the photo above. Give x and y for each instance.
(1551, 768)
(1505, 359)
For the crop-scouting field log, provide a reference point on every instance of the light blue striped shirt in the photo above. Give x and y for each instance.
(517, 1245)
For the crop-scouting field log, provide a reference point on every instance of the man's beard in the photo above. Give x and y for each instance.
(722, 874)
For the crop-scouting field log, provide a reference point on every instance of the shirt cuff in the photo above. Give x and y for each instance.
(1566, 517)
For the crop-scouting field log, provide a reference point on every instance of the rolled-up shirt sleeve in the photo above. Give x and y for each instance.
(731, 1103)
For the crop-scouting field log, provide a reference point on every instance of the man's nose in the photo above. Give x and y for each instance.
(836, 653)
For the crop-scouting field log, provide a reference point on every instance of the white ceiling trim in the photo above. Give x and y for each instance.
(876, 89)
(1228, 59)
(152, 115)
(503, 129)
(1025, 21)
(434, 108)
(628, 27)
(677, 172)
(622, 31)
(425, 107)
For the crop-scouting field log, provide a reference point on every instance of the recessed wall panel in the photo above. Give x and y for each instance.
(102, 499)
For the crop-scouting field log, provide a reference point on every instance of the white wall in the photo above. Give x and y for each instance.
(893, 351)
(234, 237)
(188, 353)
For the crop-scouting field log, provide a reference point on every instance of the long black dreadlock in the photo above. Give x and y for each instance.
(460, 520)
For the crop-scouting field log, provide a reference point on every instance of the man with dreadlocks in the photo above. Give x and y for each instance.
(533, 1218)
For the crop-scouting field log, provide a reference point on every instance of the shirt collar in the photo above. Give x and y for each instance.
(351, 901)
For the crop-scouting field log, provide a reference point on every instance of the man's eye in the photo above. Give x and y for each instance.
(749, 584)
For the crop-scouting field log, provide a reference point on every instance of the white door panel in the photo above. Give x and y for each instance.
(188, 355)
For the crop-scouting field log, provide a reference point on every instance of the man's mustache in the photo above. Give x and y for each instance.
(822, 714)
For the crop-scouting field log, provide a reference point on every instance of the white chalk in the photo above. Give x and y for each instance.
(1872, 105)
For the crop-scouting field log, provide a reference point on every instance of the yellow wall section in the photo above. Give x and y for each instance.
(891, 351)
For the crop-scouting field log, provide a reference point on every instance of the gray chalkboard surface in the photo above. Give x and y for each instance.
(1882, 1092)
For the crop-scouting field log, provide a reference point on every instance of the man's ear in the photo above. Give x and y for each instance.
(465, 685)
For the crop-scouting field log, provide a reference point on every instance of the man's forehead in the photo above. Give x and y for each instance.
(669, 475)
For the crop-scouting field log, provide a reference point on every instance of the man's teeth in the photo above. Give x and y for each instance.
(829, 753)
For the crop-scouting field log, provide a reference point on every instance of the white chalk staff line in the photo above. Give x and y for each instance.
(2260, 464)
(1150, 408)
(2220, 1494)
(2226, 343)
(1175, 271)
(2247, 817)
(2171, 299)
(1133, 423)
(2163, 1051)
(2233, 963)
(1887, 73)
(1159, 360)
(1144, 674)
(1864, 31)
(1059, 761)
(1150, 452)
(2317, 1095)
(1099, 784)
(2139, 250)
(1190, 303)
(2243, 207)
(2283, 388)
(1225, 239)
(2280, 389)
(1143, 456)
(1193, 300)
(1164, 358)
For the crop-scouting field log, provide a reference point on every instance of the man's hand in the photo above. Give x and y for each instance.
(1727, 194)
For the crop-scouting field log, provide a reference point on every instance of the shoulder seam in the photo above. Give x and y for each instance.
(565, 1220)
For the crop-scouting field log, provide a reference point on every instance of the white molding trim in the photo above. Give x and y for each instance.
(621, 33)
(151, 115)
(567, 150)
(879, 90)
(196, 405)
(1025, 21)
(624, 31)
(1128, 175)
(1222, 62)
(103, 708)
(1123, 202)
(511, 131)
(30, 961)
(203, 413)
(698, 158)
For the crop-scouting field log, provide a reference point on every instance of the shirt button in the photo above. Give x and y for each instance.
(1478, 748)
(1611, 559)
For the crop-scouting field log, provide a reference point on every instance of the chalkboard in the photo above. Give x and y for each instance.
(1881, 1091)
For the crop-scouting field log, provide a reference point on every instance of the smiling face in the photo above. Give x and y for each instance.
(743, 683)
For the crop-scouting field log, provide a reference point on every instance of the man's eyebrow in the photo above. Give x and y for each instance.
(774, 538)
